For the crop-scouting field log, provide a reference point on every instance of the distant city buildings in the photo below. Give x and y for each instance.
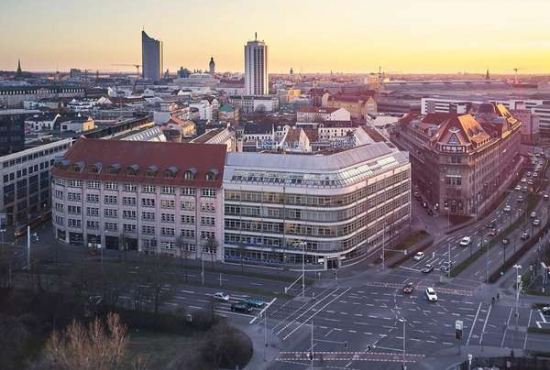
(255, 68)
(151, 57)
(462, 162)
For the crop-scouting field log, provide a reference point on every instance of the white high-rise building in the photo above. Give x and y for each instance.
(255, 67)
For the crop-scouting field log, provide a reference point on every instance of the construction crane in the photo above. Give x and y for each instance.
(136, 66)
(516, 79)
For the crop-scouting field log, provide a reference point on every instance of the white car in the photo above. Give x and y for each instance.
(518, 187)
(221, 297)
(431, 295)
(464, 242)
(419, 256)
(533, 214)
(507, 208)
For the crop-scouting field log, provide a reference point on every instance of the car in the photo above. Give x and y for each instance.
(424, 205)
(241, 307)
(520, 198)
(535, 174)
(492, 224)
(536, 222)
(493, 232)
(429, 212)
(545, 310)
(427, 269)
(464, 242)
(546, 197)
(524, 180)
(417, 195)
(505, 241)
(446, 266)
(419, 256)
(533, 214)
(524, 189)
(408, 288)
(518, 187)
(528, 174)
(221, 297)
(530, 182)
(508, 208)
(524, 235)
(431, 295)
(254, 302)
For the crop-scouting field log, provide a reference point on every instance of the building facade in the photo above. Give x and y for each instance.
(330, 210)
(25, 175)
(150, 197)
(14, 96)
(151, 57)
(255, 68)
(12, 133)
(462, 162)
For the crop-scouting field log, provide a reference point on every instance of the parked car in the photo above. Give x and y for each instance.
(241, 307)
(536, 222)
(221, 297)
(533, 214)
(431, 294)
(546, 197)
(518, 187)
(524, 189)
(428, 268)
(535, 174)
(545, 310)
(255, 302)
(528, 174)
(464, 242)
(520, 198)
(508, 208)
(408, 288)
(424, 205)
(524, 235)
(524, 180)
(493, 232)
(530, 182)
(419, 256)
(417, 195)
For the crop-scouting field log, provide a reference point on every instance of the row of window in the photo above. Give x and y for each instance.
(172, 190)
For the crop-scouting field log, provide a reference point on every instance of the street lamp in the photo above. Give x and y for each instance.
(517, 267)
(404, 341)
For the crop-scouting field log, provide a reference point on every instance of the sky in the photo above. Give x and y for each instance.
(401, 36)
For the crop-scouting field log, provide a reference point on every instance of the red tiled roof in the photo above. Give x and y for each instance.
(464, 128)
(199, 158)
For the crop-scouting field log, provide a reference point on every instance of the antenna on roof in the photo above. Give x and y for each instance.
(255, 36)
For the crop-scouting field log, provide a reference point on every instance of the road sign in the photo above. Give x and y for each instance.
(459, 324)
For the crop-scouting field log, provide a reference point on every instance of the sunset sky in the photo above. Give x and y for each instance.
(309, 35)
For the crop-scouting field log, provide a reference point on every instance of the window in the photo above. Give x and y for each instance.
(146, 229)
(74, 210)
(59, 194)
(129, 228)
(130, 188)
(90, 211)
(93, 184)
(188, 206)
(168, 217)
(94, 225)
(188, 191)
(189, 234)
(59, 220)
(208, 207)
(205, 235)
(110, 213)
(149, 243)
(110, 199)
(168, 245)
(208, 221)
(148, 216)
(168, 231)
(185, 219)
(128, 201)
(146, 202)
(168, 203)
(208, 193)
(75, 197)
(59, 207)
(111, 186)
(148, 189)
(168, 190)
(92, 198)
(75, 183)
(111, 226)
(129, 215)
(72, 222)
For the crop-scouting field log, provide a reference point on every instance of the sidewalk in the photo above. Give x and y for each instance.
(262, 357)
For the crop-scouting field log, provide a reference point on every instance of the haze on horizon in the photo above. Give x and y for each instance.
(423, 36)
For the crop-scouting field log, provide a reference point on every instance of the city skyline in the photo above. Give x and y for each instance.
(353, 37)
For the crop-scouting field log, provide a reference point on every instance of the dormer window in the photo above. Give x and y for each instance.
(190, 174)
(96, 168)
(152, 171)
(63, 164)
(114, 169)
(170, 172)
(212, 174)
(77, 167)
(132, 170)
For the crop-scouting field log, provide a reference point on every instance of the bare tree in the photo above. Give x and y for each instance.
(88, 348)
(242, 251)
(153, 285)
(183, 251)
(212, 246)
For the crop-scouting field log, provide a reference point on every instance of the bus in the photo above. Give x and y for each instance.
(33, 224)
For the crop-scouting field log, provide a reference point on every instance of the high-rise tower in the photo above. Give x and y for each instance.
(151, 57)
(255, 67)
(212, 66)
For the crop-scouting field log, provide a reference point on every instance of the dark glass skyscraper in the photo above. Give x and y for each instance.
(151, 57)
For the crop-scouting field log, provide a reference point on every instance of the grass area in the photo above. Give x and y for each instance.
(532, 202)
(408, 242)
(158, 349)
(537, 292)
(538, 330)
